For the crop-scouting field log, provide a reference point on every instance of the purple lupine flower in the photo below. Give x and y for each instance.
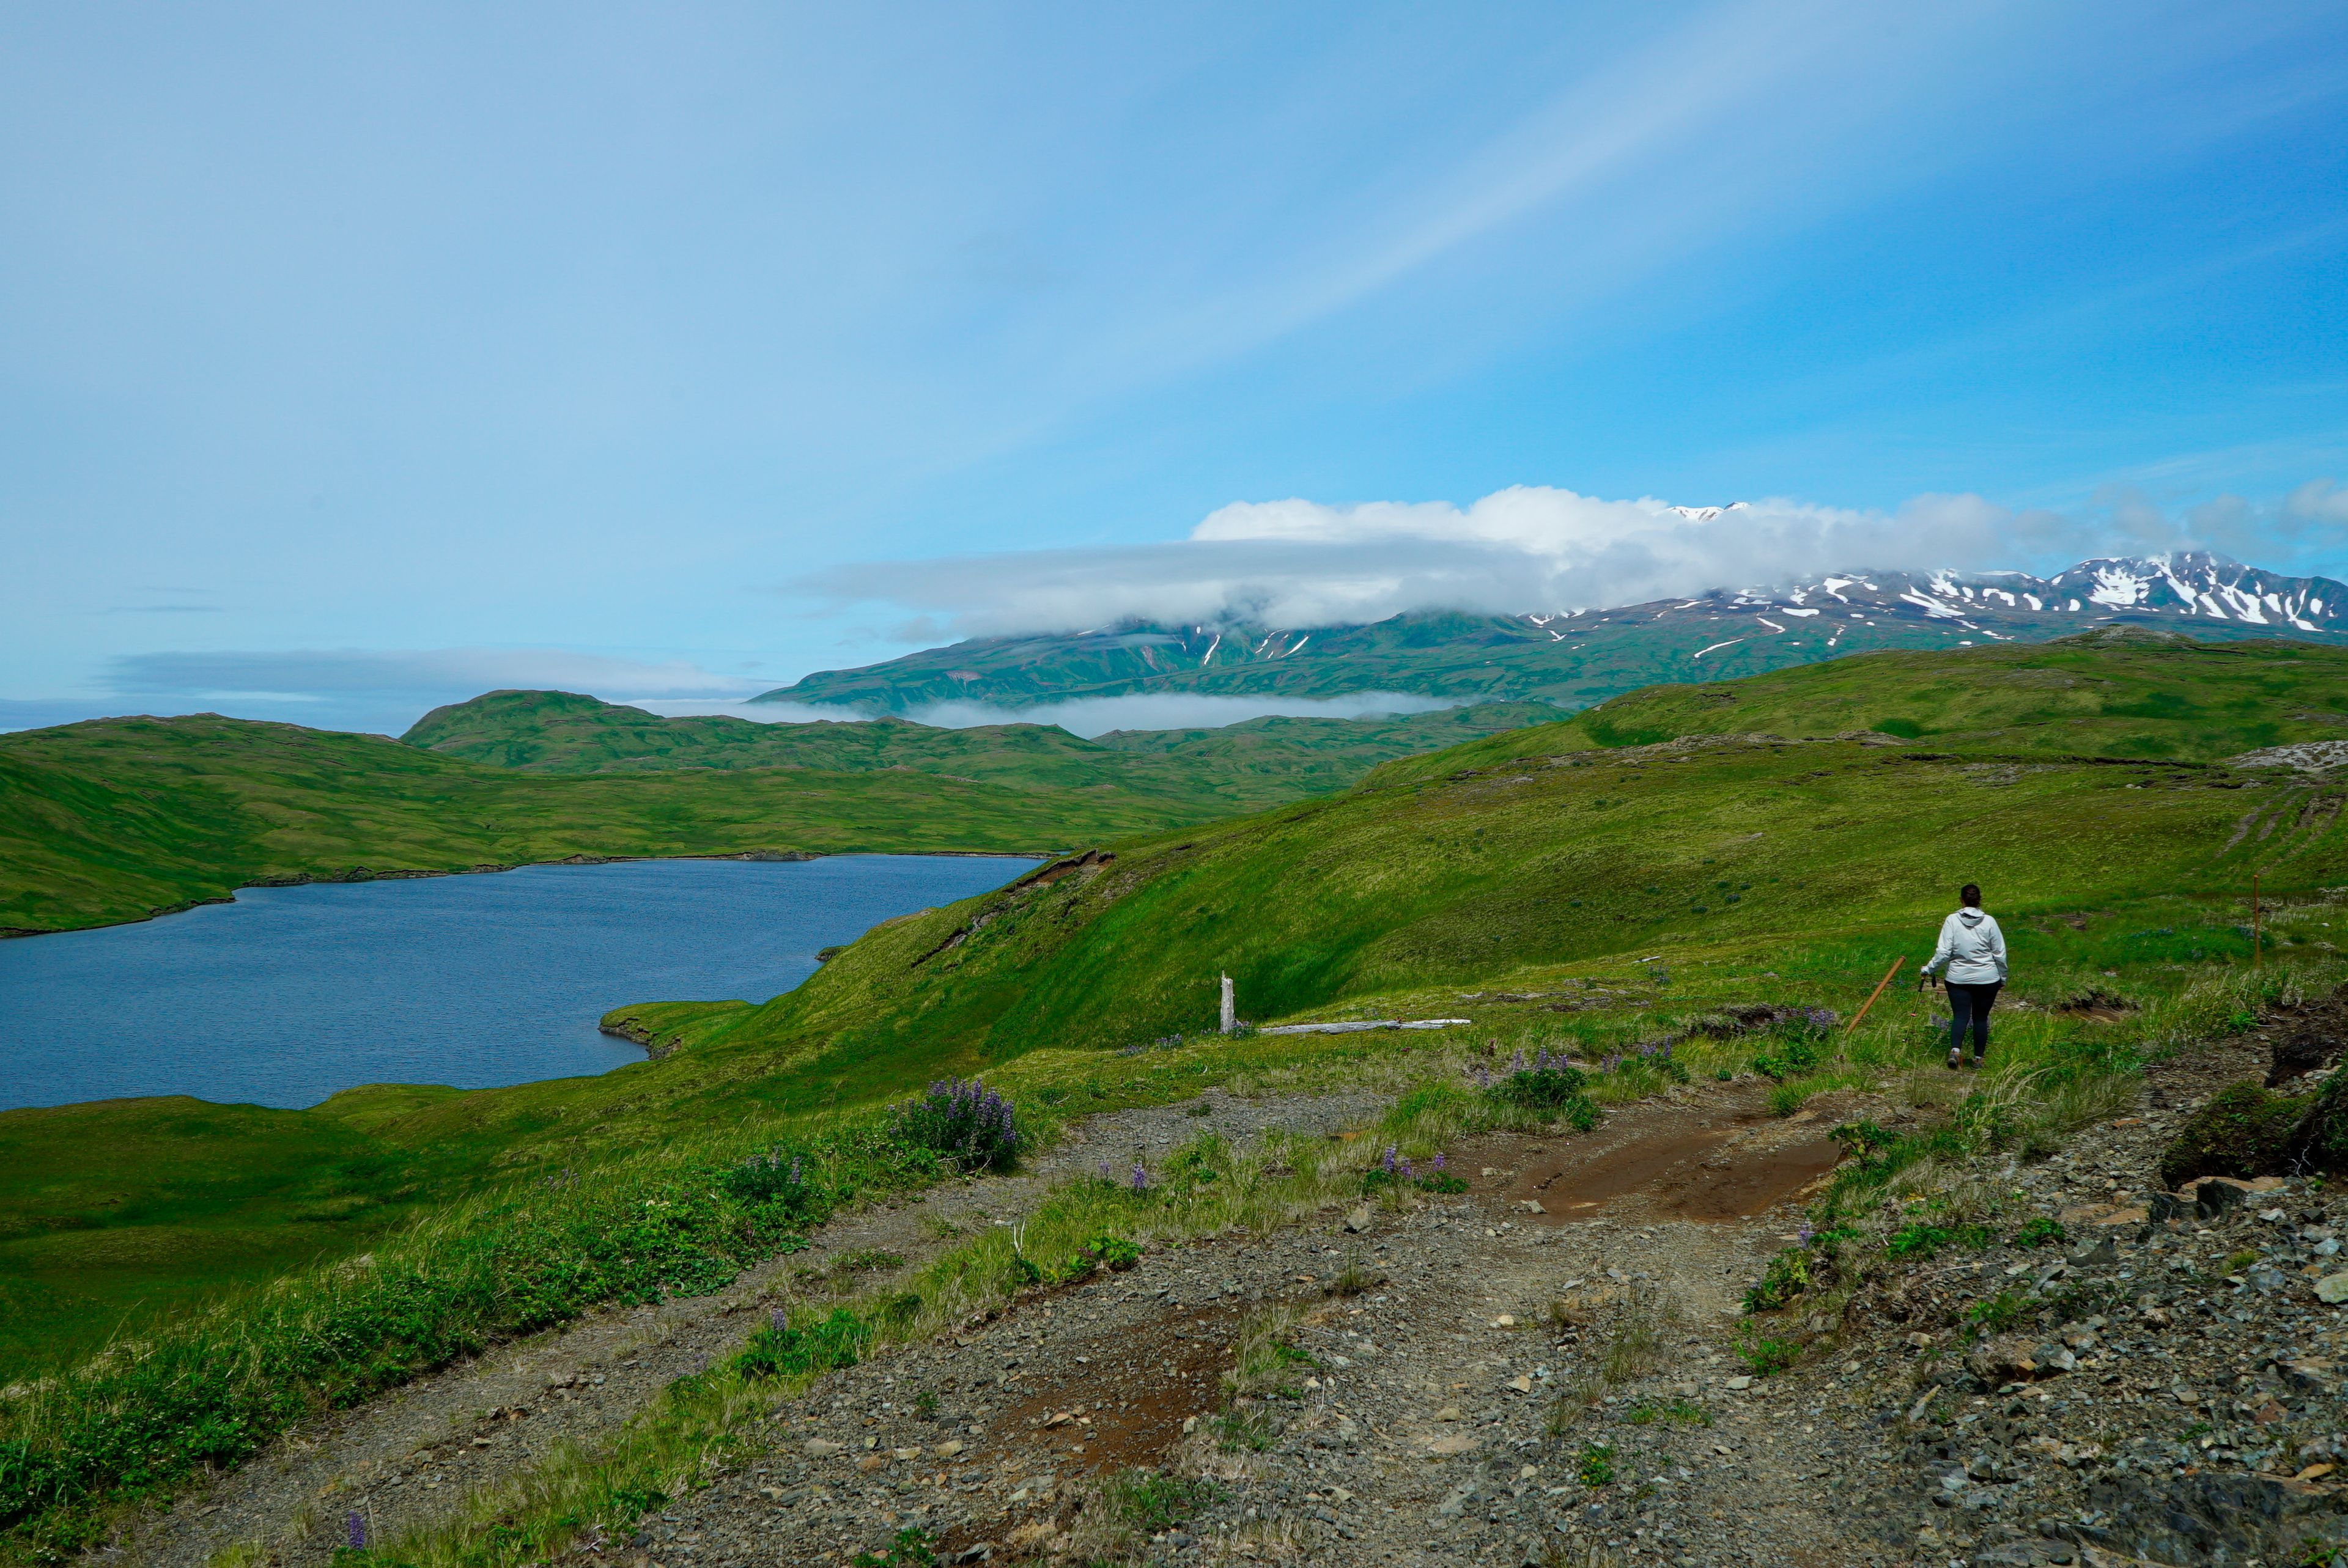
(1107, 1172)
(1806, 1233)
(1387, 1160)
(1406, 1171)
(1483, 1078)
(797, 1176)
(1439, 1162)
(356, 1528)
(1140, 1177)
(779, 1319)
(1517, 1062)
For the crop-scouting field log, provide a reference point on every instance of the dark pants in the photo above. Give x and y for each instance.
(1970, 1004)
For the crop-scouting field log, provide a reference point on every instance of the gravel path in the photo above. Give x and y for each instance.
(411, 1457)
(1545, 1370)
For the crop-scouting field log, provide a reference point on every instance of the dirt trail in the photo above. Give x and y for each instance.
(1418, 1436)
(1545, 1370)
(412, 1457)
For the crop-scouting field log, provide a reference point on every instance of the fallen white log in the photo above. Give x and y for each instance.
(1362, 1024)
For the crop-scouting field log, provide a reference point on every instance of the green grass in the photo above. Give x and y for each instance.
(1503, 893)
(2109, 693)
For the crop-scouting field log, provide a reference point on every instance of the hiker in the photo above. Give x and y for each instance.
(1972, 951)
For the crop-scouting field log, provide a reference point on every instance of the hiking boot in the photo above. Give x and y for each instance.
(1977, 1061)
(1956, 1058)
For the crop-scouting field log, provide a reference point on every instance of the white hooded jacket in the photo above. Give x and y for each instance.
(1972, 948)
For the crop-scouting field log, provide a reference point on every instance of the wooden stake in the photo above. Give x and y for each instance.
(1872, 995)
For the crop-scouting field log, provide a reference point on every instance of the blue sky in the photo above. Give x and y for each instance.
(356, 360)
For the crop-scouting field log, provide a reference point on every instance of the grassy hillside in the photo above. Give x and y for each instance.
(1642, 885)
(1195, 773)
(121, 818)
(2117, 693)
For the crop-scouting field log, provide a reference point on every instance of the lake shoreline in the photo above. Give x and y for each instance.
(365, 873)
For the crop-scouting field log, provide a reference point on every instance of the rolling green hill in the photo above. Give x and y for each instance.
(118, 819)
(1194, 773)
(1656, 880)
(2118, 692)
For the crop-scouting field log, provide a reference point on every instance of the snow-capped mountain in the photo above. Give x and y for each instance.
(2194, 584)
(1575, 657)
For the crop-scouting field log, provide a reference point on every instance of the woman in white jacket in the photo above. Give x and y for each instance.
(1972, 951)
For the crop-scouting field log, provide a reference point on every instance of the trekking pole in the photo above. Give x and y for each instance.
(1872, 995)
(2255, 963)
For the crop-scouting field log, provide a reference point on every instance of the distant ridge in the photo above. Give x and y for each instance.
(1575, 656)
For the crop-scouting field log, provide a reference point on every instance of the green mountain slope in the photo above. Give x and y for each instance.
(118, 819)
(1194, 774)
(2121, 693)
(1573, 659)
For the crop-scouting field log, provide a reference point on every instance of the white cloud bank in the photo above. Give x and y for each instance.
(1298, 563)
(1089, 716)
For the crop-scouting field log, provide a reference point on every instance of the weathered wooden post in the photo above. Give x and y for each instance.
(1230, 1011)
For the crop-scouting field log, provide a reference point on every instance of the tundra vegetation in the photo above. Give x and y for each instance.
(1613, 919)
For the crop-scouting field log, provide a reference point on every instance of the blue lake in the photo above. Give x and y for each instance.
(290, 994)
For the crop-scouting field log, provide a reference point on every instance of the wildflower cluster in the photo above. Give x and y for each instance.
(967, 1123)
(1394, 1170)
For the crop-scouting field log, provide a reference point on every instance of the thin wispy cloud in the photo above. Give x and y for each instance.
(319, 674)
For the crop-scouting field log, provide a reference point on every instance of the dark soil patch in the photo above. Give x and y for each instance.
(2307, 1039)
(1124, 1392)
(1725, 1162)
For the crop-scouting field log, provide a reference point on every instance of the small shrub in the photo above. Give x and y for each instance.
(1149, 1501)
(777, 1181)
(1788, 1275)
(1767, 1357)
(1790, 1056)
(914, 1547)
(2041, 1231)
(1861, 1139)
(1545, 1083)
(781, 1350)
(1919, 1241)
(1674, 1413)
(1595, 1466)
(1996, 1314)
(1243, 1429)
(966, 1124)
(1113, 1253)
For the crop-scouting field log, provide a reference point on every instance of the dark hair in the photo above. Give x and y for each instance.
(1969, 894)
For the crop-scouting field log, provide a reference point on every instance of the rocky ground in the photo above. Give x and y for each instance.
(410, 1458)
(1551, 1368)
(1475, 1382)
